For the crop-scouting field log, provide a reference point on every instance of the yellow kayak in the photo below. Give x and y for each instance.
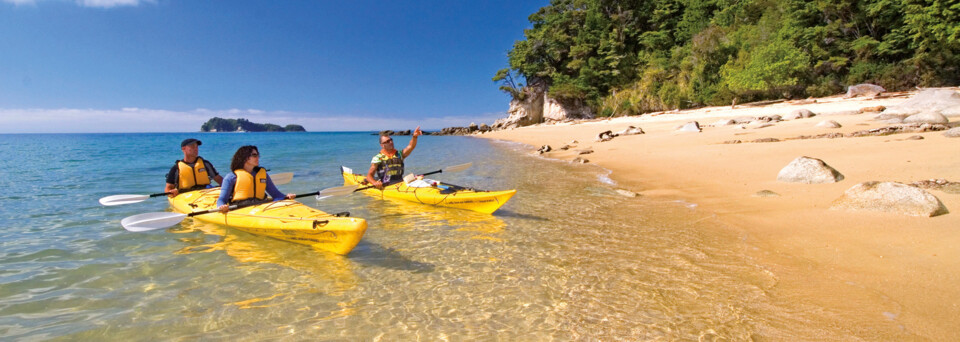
(286, 220)
(436, 193)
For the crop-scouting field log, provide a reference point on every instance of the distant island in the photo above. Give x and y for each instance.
(243, 125)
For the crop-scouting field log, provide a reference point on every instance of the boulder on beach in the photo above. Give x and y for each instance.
(691, 126)
(829, 124)
(544, 149)
(809, 171)
(864, 89)
(802, 113)
(890, 197)
(631, 130)
(952, 133)
(724, 122)
(871, 109)
(927, 117)
(605, 136)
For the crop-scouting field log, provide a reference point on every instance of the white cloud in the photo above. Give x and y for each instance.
(21, 2)
(131, 119)
(108, 3)
(87, 3)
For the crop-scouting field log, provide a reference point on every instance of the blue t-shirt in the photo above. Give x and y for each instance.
(230, 181)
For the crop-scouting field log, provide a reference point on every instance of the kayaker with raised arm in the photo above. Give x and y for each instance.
(248, 181)
(192, 172)
(387, 166)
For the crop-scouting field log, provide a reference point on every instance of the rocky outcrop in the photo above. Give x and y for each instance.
(890, 197)
(809, 171)
(864, 89)
(536, 107)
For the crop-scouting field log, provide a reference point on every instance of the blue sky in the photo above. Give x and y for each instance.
(169, 65)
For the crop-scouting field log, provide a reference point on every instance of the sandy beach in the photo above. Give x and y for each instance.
(870, 268)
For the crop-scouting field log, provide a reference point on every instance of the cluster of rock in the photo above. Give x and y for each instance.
(892, 197)
(473, 128)
(389, 132)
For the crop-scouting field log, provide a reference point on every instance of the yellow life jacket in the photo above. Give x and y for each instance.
(250, 185)
(193, 175)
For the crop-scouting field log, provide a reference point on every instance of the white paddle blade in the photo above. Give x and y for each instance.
(123, 199)
(458, 168)
(346, 170)
(409, 178)
(337, 191)
(151, 221)
(281, 178)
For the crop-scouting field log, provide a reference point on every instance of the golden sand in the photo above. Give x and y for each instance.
(856, 263)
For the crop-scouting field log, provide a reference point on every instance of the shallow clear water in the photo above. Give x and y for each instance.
(566, 258)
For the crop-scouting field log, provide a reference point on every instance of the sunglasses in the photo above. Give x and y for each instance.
(386, 142)
(255, 155)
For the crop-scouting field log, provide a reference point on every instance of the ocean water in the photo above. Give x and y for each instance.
(566, 259)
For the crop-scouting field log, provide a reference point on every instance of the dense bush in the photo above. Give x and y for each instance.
(631, 57)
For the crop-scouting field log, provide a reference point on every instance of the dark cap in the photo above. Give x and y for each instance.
(190, 141)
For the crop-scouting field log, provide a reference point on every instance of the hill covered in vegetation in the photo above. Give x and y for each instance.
(242, 125)
(632, 57)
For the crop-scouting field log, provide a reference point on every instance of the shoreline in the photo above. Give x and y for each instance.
(871, 269)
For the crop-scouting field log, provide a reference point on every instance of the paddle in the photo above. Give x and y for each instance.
(411, 177)
(153, 221)
(278, 179)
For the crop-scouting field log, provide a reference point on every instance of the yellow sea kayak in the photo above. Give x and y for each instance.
(286, 220)
(437, 193)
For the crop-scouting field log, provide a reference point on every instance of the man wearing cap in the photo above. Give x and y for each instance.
(192, 172)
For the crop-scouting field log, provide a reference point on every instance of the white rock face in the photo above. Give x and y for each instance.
(890, 197)
(553, 110)
(829, 124)
(927, 117)
(809, 171)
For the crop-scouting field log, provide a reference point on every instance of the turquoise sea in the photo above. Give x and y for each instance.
(566, 259)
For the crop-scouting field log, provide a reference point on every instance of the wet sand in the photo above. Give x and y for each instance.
(866, 270)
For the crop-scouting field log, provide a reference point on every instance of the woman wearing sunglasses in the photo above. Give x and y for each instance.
(248, 182)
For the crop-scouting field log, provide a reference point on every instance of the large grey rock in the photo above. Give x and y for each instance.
(928, 100)
(809, 171)
(890, 197)
(864, 89)
(927, 117)
(691, 126)
(952, 133)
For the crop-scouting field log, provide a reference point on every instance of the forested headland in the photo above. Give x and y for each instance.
(243, 125)
(632, 57)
